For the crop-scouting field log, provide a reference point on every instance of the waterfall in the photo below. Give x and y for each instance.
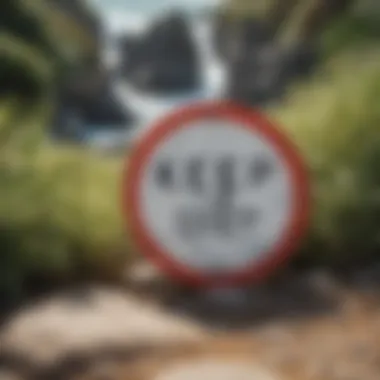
(147, 107)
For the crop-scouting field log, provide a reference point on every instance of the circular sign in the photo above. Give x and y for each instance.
(215, 195)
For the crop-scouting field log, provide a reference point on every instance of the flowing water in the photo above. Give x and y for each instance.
(130, 16)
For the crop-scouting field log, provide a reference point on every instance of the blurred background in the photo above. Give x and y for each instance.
(79, 80)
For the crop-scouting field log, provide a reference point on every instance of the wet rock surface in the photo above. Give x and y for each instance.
(236, 39)
(164, 59)
(263, 76)
(88, 102)
(259, 67)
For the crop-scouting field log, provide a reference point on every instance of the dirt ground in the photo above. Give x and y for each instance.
(344, 346)
(314, 326)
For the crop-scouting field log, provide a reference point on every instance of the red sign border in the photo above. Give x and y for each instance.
(255, 122)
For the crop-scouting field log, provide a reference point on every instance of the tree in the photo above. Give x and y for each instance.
(304, 20)
(319, 14)
(39, 41)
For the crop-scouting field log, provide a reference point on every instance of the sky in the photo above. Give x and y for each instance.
(152, 5)
(133, 15)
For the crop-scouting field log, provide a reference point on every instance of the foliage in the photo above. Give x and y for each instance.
(36, 38)
(335, 121)
(349, 32)
(55, 219)
(59, 214)
(59, 206)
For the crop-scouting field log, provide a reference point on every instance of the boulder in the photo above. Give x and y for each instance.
(259, 68)
(105, 110)
(258, 78)
(262, 77)
(235, 39)
(302, 59)
(164, 59)
(88, 102)
(86, 325)
(126, 42)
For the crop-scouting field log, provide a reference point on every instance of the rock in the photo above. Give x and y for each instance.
(235, 40)
(143, 277)
(302, 59)
(105, 110)
(164, 59)
(127, 42)
(87, 101)
(143, 274)
(147, 280)
(259, 69)
(261, 77)
(104, 320)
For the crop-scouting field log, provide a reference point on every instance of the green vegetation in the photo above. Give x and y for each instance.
(38, 42)
(59, 216)
(335, 121)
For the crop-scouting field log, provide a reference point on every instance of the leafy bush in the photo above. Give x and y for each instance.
(59, 214)
(59, 207)
(38, 44)
(23, 70)
(335, 121)
(350, 31)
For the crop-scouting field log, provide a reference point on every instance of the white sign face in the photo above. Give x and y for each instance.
(217, 197)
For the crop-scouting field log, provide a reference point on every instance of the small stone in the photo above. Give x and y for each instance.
(143, 273)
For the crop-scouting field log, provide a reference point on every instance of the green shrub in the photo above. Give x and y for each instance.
(349, 32)
(23, 70)
(335, 121)
(59, 215)
(59, 208)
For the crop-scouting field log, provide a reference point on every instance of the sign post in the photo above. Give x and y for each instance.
(215, 195)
